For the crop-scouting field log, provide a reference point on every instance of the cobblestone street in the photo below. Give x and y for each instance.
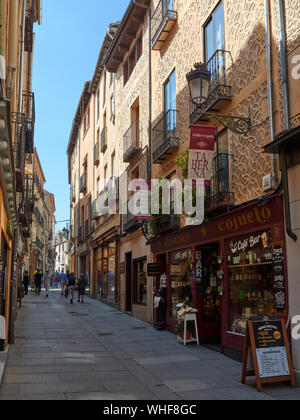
(92, 351)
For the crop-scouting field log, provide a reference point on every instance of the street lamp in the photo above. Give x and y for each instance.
(199, 82)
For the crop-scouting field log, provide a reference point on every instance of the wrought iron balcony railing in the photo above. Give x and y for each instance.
(164, 137)
(220, 193)
(163, 20)
(26, 206)
(104, 140)
(29, 112)
(38, 186)
(132, 144)
(220, 91)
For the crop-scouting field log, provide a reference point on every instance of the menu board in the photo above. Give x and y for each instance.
(279, 281)
(270, 355)
(270, 348)
(153, 269)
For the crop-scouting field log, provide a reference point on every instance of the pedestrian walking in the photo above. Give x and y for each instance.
(47, 283)
(63, 280)
(71, 284)
(81, 283)
(56, 280)
(26, 282)
(38, 282)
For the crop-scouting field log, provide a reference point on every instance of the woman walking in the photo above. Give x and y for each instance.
(81, 288)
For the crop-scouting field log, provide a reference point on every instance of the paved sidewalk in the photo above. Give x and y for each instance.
(92, 351)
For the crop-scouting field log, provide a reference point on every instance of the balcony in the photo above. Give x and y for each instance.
(26, 207)
(96, 155)
(163, 21)
(219, 92)
(39, 217)
(38, 186)
(219, 195)
(132, 145)
(164, 138)
(83, 183)
(104, 140)
(29, 112)
(165, 223)
(19, 157)
(130, 223)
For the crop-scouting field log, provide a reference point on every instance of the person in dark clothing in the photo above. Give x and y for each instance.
(26, 282)
(71, 283)
(81, 287)
(38, 281)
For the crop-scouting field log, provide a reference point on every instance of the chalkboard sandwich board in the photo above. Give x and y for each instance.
(267, 352)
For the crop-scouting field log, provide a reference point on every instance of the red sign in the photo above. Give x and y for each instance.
(202, 147)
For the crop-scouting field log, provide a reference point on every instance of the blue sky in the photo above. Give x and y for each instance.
(66, 51)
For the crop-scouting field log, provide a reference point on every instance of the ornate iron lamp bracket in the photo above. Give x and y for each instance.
(239, 125)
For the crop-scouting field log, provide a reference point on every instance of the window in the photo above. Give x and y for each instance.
(112, 107)
(170, 102)
(133, 57)
(140, 281)
(113, 165)
(214, 33)
(111, 79)
(98, 104)
(104, 87)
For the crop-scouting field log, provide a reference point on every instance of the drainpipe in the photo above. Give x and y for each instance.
(149, 160)
(270, 84)
(284, 64)
(286, 107)
(22, 57)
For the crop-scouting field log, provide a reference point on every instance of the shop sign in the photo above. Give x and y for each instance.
(279, 280)
(153, 269)
(270, 353)
(202, 148)
(249, 242)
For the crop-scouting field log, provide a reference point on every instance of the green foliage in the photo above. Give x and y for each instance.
(183, 162)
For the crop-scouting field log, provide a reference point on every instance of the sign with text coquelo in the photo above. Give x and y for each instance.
(202, 148)
(267, 340)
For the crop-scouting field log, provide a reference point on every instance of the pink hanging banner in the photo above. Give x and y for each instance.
(202, 149)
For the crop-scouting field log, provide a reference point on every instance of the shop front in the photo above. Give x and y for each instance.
(232, 268)
(105, 272)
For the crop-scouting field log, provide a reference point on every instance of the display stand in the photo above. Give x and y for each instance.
(185, 318)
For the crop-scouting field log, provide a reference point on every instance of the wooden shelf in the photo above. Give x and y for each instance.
(250, 265)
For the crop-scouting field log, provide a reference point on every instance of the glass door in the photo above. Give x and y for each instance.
(170, 105)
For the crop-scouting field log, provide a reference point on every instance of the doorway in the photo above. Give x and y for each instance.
(208, 300)
(128, 303)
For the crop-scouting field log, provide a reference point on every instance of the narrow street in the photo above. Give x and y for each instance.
(92, 351)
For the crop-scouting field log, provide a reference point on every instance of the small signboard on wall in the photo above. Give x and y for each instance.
(153, 270)
(267, 350)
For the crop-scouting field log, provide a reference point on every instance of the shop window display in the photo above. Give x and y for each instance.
(141, 281)
(181, 277)
(251, 280)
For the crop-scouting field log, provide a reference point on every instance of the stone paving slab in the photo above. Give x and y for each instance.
(93, 352)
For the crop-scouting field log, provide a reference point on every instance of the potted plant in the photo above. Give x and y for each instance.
(190, 329)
